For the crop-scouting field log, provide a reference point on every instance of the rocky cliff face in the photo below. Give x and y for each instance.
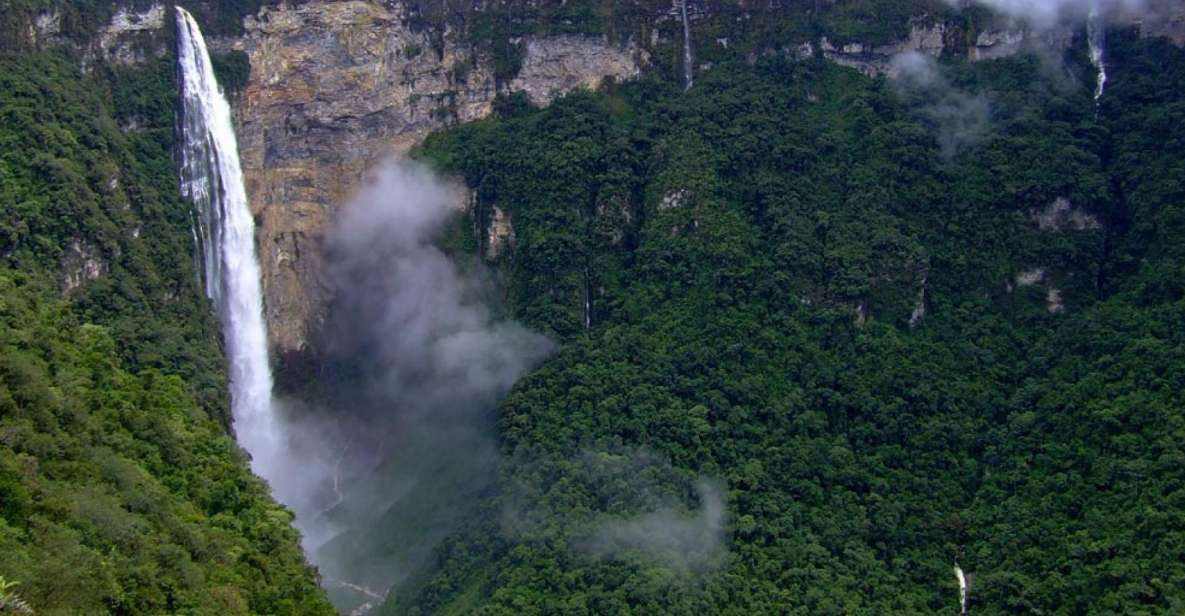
(334, 88)
(131, 36)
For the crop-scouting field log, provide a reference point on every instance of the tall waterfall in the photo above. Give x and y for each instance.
(213, 179)
(687, 68)
(1096, 34)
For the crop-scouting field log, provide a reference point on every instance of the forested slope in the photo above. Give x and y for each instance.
(121, 490)
(890, 343)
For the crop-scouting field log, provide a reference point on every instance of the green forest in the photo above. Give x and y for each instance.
(755, 251)
(121, 489)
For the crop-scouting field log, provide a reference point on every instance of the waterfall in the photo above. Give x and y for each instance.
(1096, 34)
(587, 298)
(962, 589)
(212, 178)
(687, 69)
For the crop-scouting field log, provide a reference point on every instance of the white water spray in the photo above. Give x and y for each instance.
(212, 178)
(1096, 34)
(962, 589)
(687, 69)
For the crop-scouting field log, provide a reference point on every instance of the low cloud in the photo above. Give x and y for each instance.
(686, 541)
(1045, 13)
(619, 503)
(959, 119)
(426, 330)
(397, 441)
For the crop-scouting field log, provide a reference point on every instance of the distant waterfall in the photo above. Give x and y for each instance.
(212, 178)
(587, 298)
(962, 589)
(1096, 34)
(687, 70)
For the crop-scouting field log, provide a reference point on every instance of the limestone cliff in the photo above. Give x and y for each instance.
(334, 88)
(131, 36)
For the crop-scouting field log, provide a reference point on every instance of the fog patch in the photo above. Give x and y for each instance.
(396, 443)
(442, 347)
(959, 119)
(623, 504)
(683, 540)
(1048, 13)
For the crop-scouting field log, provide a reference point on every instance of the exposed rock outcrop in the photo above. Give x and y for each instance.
(1039, 277)
(81, 264)
(123, 41)
(337, 86)
(1062, 215)
(501, 233)
(925, 36)
(993, 43)
(131, 36)
(555, 65)
(46, 29)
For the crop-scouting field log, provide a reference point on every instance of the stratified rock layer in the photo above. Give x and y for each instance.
(334, 88)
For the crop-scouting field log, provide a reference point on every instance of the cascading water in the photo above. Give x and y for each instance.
(213, 179)
(687, 69)
(962, 589)
(1096, 34)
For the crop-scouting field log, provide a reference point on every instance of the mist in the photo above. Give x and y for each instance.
(1046, 13)
(684, 541)
(632, 505)
(959, 119)
(395, 441)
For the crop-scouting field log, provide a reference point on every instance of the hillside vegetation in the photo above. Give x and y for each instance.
(121, 490)
(800, 299)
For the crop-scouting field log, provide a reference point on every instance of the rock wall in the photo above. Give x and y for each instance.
(334, 88)
(130, 37)
(925, 37)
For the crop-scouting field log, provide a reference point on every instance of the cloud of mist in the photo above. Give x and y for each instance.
(441, 345)
(1046, 13)
(616, 502)
(958, 118)
(398, 442)
(688, 541)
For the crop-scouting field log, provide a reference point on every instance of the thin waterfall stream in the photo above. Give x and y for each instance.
(1096, 35)
(688, 73)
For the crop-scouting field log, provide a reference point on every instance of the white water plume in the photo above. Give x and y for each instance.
(212, 178)
(398, 449)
